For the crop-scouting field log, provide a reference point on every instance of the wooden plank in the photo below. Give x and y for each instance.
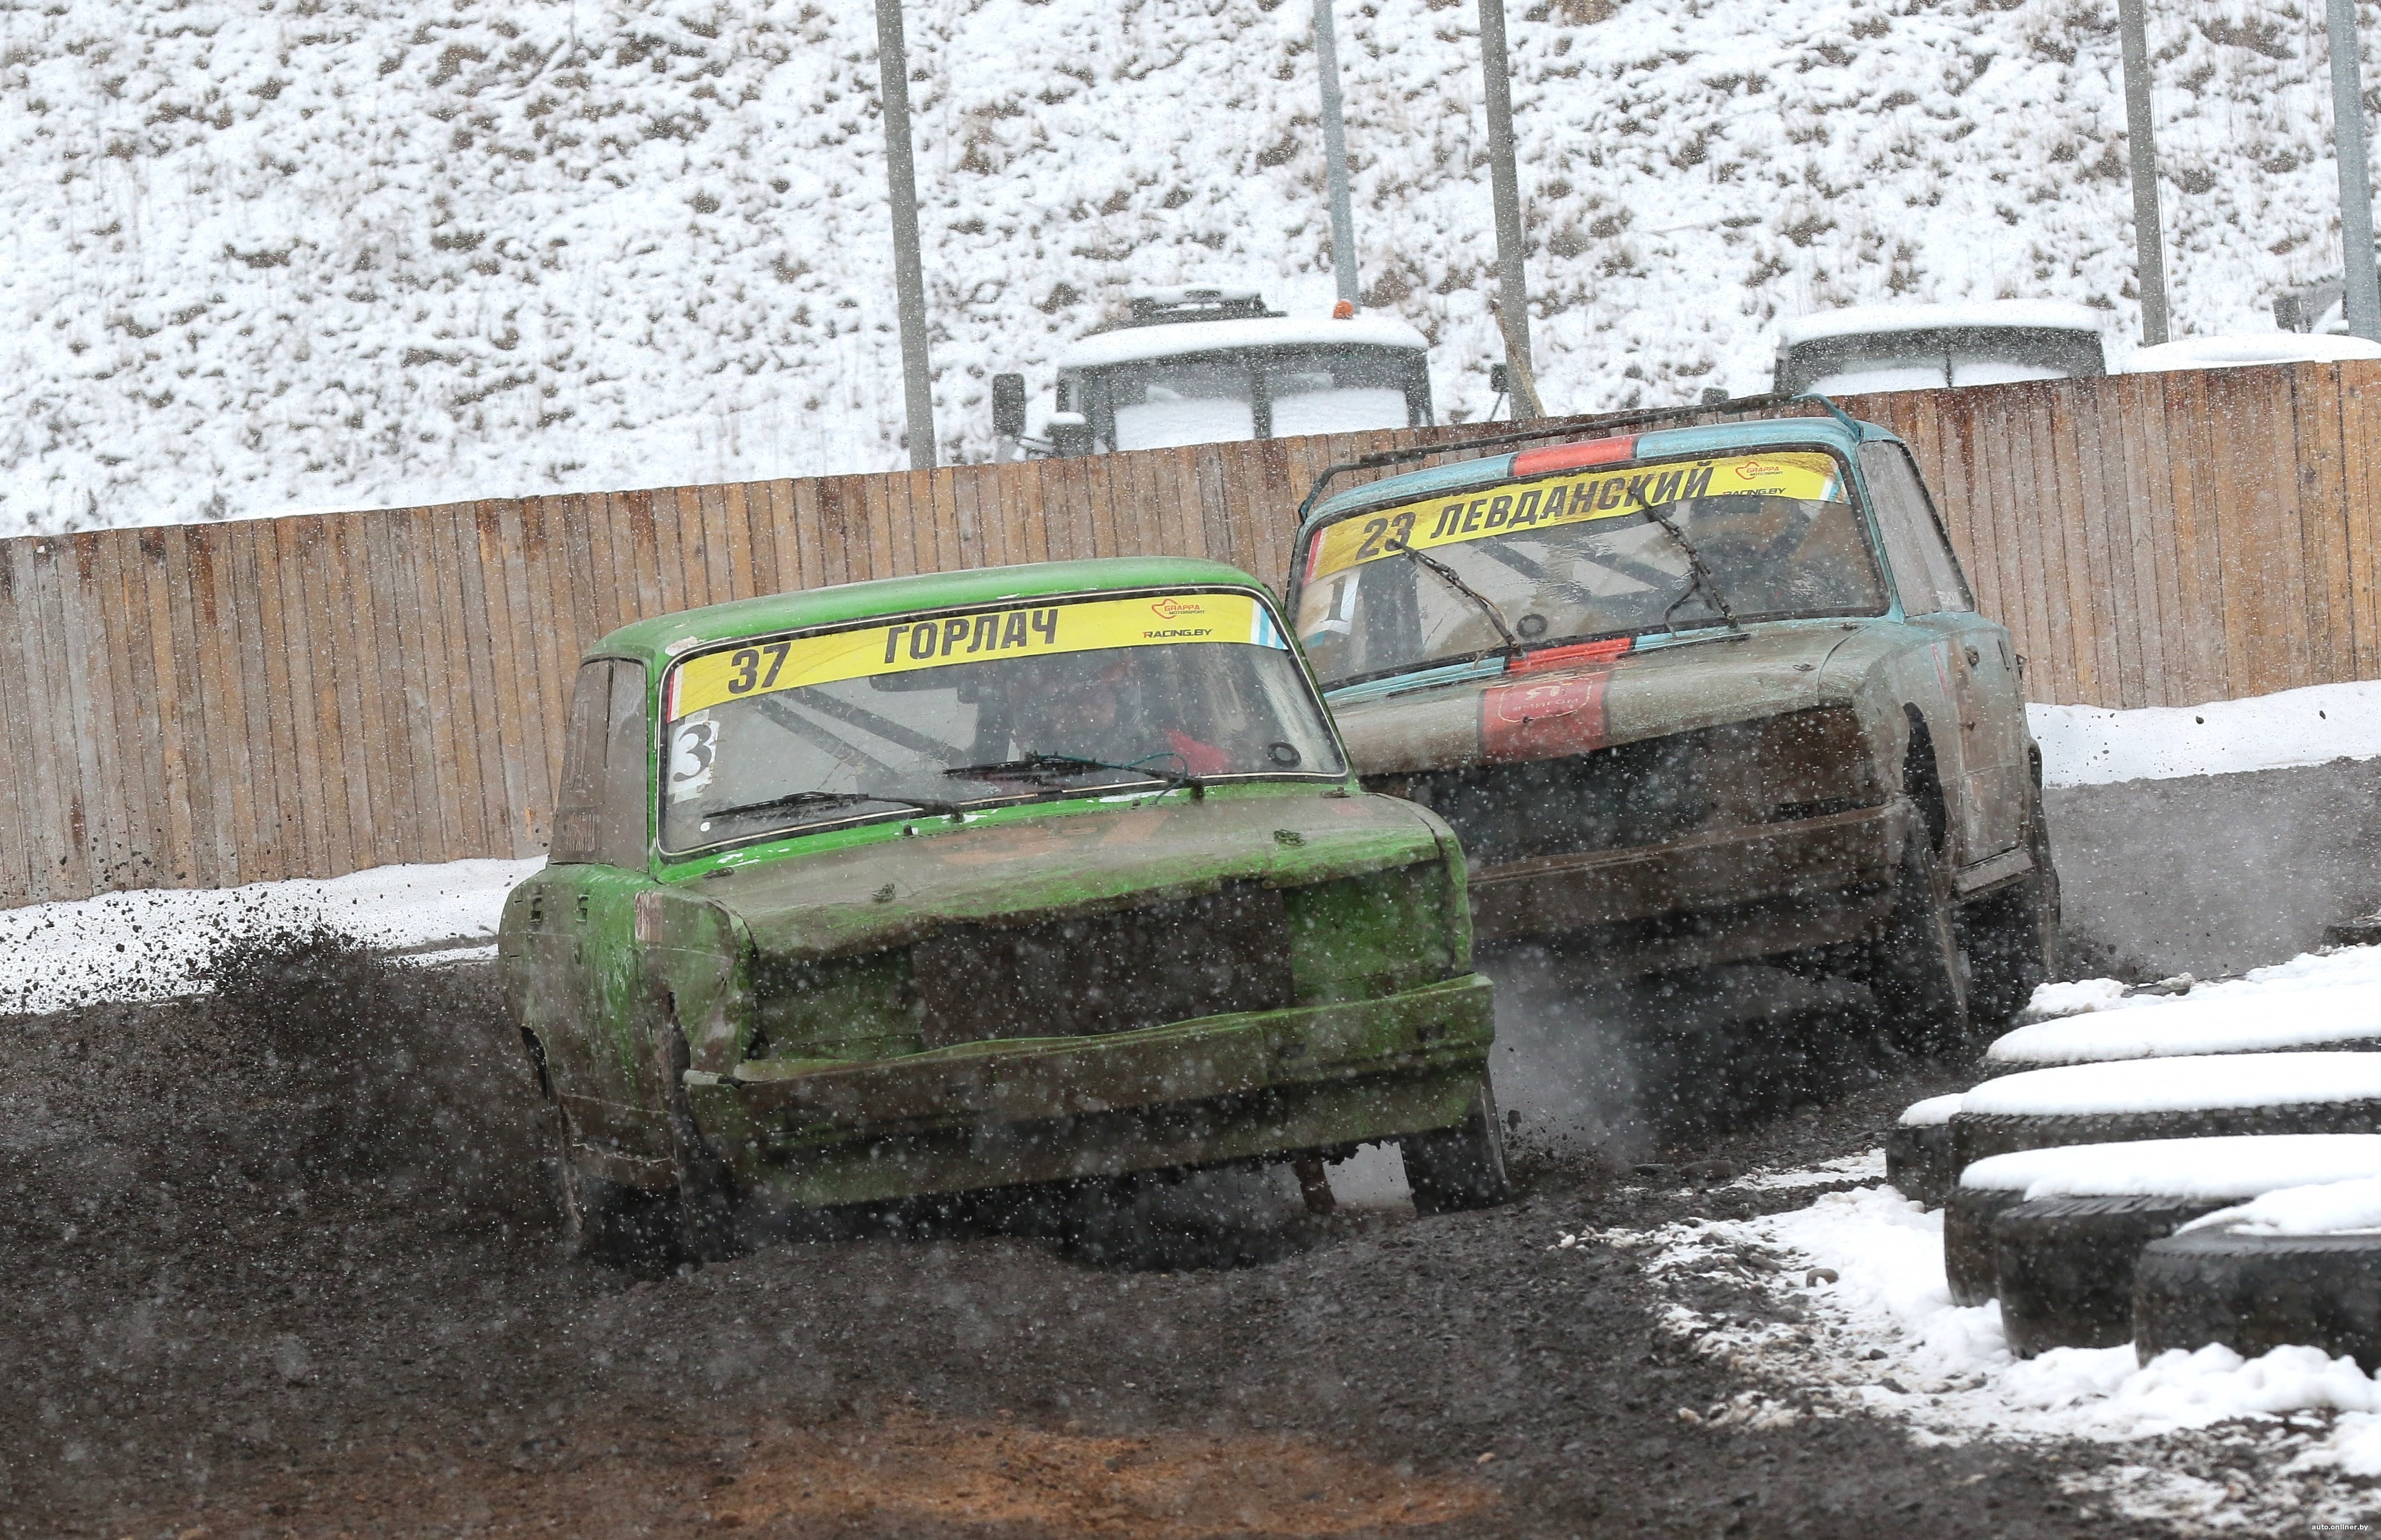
(2085, 541)
(432, 650)
(813, 515)
(222, 722)
(736, 575)
(683, 510)
(2199, 536)
(511, 697)
(2264, 633)
(2361, 477)
(92, 814)
(465, 770)
(112, 810)
(455, 525)
(2134, 595)
(160, 573)
(1029, 511)
(872, 545)
(58, 869)
(540, 562)
(2321, 457)
(266, 857)
(18, 750)
(786, 538)
(397, 680)
(637, 544)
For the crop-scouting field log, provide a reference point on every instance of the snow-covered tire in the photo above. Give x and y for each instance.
(2012, 936)
(2252, 1292)
(1449, 1170)
(1918, 1162)
(1978, 1135)
(1916, 968)
(2063, 1268)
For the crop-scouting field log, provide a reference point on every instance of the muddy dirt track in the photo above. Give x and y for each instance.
(253, 1287)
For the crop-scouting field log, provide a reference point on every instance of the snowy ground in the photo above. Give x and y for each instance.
(1876, 1331)
(2093, 746)
(308, 253)
(142, 945)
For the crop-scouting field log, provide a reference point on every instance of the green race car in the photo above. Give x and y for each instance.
(975, 880)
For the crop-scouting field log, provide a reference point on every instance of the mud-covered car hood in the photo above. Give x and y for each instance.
(866, 897)
(1660, 690)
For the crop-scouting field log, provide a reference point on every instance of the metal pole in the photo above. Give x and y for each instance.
(1334, 154)
(1512, 290)
(2364, 296)
(908, 276)
(2149, 240)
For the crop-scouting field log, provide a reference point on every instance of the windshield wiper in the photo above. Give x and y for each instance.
(1513, 648)
(1698, 576)
(788, 800)
(1043, 764)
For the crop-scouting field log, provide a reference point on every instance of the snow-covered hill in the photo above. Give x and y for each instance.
(265, 254)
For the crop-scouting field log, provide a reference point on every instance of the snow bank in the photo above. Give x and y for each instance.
(142, 944)
(2332, 1208)
(2215, 1169)
(1932, 1112)
(2189, 1025)
(2181, 1084)
(2092, 746)
(1865, 320)
(331, 252)
(1881, 1336)
(2254, 348)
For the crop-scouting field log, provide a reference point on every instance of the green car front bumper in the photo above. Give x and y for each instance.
(812, 1132)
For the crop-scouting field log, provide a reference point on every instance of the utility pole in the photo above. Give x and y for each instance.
(1334, 154)
(2362, 300)
(909, 275)
(2149, 239)
(1512, 290)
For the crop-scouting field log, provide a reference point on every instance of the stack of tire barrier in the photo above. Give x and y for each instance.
(2164, 1176)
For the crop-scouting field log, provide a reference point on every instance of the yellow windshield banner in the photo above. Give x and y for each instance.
(1566, 500)
(1023, 630)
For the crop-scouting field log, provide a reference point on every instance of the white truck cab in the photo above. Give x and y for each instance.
(1214, 365)
(1871, 348)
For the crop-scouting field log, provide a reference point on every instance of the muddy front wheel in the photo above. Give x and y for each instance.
(1462, 1166)
(605, 1221)
(2013, 934)
(1917, 969)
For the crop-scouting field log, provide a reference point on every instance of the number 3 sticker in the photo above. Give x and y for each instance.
(693, 750)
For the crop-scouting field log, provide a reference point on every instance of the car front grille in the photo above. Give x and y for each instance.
(1770, 770)
(1082, 974)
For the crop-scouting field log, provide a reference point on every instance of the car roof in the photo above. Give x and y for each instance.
(1716, 438)
(664, 638)
(1871, 319)
(1178, 338)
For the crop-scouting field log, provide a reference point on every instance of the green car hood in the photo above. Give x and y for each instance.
(865, 897)
(1648, 694)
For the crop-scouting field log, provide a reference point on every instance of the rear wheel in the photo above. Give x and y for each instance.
(1916, 969)
(2011, 935)
(1462, 1166)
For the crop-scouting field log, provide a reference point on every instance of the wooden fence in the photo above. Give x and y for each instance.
(210, 705)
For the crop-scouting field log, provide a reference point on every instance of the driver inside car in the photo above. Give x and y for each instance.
(1096, 706)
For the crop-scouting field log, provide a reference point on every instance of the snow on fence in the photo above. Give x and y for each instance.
(210, 705)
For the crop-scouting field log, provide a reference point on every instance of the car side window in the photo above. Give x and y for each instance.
(1925, 571)
(577, 815)
(600, 813)
(622, 828)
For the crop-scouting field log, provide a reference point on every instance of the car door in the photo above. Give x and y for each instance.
(582, 979)
(1974, 662)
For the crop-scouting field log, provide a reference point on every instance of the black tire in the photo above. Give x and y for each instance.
(2012, 936)
(603, 1221)
(1968, 1215)
(1450, 1170)
(1918, 1162)
(2256, 1293)
(2063, 1268)
(1916, 968)
(1976, 1135)
(709, 1210)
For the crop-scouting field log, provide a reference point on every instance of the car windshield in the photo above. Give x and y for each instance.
(1581, 556)
(1268, 392)
(1028, 700)
(1929, 359)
